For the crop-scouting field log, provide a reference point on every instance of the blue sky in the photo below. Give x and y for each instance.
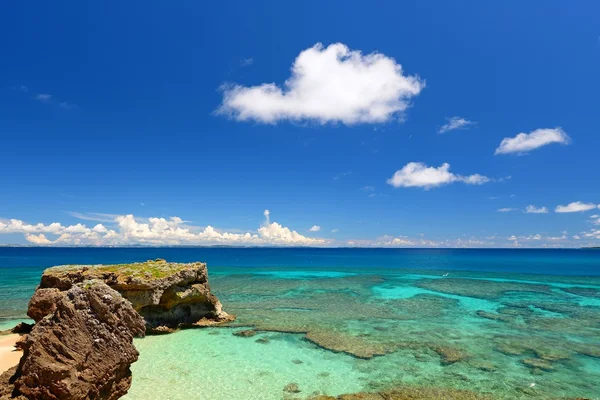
(119, 116)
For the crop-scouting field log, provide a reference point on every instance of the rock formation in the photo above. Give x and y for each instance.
(167, 295)
(81, 349)
(81, 346)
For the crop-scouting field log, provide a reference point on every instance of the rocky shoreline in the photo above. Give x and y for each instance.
(86, 316)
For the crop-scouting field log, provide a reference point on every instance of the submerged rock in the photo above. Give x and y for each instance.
(245, 333)
(409, 393)
(354, 345)
(449, 355)
(538, 364)
(168, 295)
(493, 316)
(81, 349)
(292, 388)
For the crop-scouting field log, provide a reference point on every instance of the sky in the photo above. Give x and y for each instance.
(340, 123)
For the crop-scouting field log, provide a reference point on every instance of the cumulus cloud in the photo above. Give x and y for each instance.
(328, 84)
(155, 231)
(396, 242)
(315, 228)
(417, 174)
(576, 206)
(37, 239)
(531, 209)
(524, 142)
(455, 123)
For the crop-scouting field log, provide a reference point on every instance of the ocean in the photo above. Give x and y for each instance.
(509, 324)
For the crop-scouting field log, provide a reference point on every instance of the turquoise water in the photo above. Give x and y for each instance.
(506, 323)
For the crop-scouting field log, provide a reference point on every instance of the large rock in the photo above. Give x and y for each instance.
(81, 349)
(167, 295)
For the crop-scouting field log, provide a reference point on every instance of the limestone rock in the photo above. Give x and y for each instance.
(82, 349)
(168, 295)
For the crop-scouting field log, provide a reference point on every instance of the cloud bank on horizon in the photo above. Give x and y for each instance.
(328, 85)
(155, 231)
(124, 230)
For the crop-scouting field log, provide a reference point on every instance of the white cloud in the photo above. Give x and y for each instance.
(531, 209)
(397, 242)
(506, 209)
(37, 239)
(576, 237)
(315, 228)
(532, 237)
(593, 234)
(524, 142)
(417, 174)
(335, 230)
(328, 84)
(155, 231)
(368, 188)
(455, 123)
(576, 206)
(99, 228)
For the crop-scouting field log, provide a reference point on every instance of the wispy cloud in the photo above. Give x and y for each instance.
(531, 209)
(506, 209)
(525, 142)
(455, 123)
(46, 98)
(341, 175)
(328, 85)
(247, 61)
(67, 106)
(43, 97)
(99, 217)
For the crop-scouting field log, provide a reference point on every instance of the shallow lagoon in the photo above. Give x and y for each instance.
(503, 324)
(352, 332)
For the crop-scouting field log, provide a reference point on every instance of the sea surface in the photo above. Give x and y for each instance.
(508, 324)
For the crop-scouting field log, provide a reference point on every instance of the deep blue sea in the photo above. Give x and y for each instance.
(506, 324)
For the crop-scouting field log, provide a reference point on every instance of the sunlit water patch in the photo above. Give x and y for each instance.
(214, 364)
